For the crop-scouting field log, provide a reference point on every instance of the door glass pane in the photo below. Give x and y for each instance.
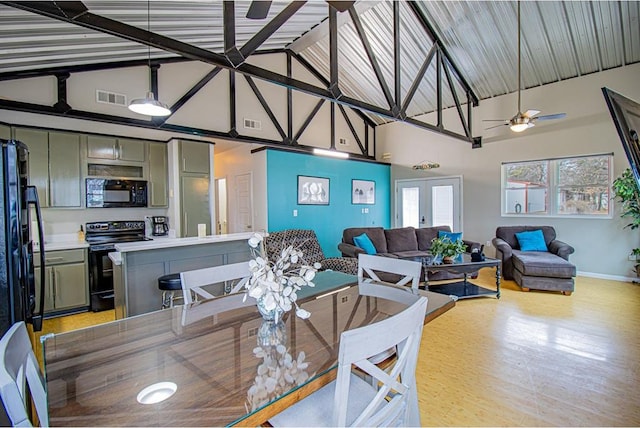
(442, 205)
(411, 207)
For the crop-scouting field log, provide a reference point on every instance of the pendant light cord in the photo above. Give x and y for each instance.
(519, 60)
(149, 46)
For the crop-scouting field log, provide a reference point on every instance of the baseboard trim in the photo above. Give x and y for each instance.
(609, 277)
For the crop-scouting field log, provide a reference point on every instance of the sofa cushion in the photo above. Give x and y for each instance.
(426, 235)
(365, 243)
(532, 240)
(537, 263)
(375, 234)
(401, 239)
(508, 234)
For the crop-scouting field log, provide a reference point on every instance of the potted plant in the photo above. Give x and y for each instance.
(626, 190)
(447, 250)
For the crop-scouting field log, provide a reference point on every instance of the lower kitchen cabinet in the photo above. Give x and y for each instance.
(66, 285)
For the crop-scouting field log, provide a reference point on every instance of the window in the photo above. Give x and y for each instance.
(573, 187)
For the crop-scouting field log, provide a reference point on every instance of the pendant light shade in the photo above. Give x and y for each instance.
(149, 106)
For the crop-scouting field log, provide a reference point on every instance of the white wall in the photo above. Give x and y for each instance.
(601, 245)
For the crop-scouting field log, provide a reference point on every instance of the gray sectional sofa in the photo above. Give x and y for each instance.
(402, 242)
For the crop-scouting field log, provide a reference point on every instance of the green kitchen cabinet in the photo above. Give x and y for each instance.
(158, 175)
(194, 157)
(66, 284)
(195, 203)
(54, 166)
(118, 149)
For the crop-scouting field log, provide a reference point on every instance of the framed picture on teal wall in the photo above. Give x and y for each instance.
(313, 190)
(363, 192)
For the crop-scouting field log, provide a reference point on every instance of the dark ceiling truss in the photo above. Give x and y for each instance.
(234, 59)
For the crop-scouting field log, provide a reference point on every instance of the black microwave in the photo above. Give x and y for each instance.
(111, 193)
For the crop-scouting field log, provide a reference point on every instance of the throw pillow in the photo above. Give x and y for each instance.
(453, 236)
(532, 240)
(363, 241)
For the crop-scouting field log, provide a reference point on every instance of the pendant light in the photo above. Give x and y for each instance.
(149, 106)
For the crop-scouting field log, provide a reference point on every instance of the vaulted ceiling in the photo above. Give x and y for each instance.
(392, 60)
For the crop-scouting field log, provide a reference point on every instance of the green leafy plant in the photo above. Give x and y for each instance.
(626, 190)
(444, 247)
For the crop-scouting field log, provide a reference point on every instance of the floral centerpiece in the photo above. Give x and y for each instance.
(274, 284)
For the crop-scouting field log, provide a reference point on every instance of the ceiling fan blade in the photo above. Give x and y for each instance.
(552, 116)
(496, 126)
(495, 120)
(531, 113)
(258, 9)
(341, 6)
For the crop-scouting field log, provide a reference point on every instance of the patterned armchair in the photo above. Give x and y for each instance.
(307, 241)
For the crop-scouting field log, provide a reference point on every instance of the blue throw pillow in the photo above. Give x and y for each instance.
(532, 240)
(453, 236)
(363, 241)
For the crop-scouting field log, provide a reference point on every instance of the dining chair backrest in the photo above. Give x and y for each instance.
(406, 296)
(196, 311)
(234, 276)
(408, 270)
(403, 331)
(20, 378)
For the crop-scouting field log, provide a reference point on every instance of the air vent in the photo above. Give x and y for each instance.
(252, 124)
(106, 97)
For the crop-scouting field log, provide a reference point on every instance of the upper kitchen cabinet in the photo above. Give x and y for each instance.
(158, 175)
(118, 149)
(5, 132)
(54, 166)
(194, 157)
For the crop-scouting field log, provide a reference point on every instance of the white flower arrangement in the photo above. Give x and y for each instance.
(276, 374)
(277, 283)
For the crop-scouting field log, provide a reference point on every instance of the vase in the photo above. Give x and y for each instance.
(272, 333)
(274, 314)
(448, 260)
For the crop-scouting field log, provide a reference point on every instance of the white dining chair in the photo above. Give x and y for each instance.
(408, 270)
(349, 400)
(211, 308)
(234, 276)
(20, 378)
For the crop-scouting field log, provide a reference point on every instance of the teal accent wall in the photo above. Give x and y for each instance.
(328, 221)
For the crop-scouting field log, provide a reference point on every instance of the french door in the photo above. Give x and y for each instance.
(429, 202)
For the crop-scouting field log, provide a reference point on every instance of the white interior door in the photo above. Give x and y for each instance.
(244, 198)
(221, 206)
(429, 202)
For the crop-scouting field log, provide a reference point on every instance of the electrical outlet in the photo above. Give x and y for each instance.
(487, 244)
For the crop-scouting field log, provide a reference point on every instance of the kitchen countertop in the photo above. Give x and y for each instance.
(65, 241)
(166, 242)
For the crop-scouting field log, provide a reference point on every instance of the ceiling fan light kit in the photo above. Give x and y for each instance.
(523, 121)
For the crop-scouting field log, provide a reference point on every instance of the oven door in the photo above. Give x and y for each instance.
(101, 279)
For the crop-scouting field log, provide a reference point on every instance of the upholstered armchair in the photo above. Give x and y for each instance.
(541, 270)
(307, 241)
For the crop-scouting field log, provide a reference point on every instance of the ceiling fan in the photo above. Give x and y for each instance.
(522, 121)
(259, 9)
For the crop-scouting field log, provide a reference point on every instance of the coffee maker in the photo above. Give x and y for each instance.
(159, 225)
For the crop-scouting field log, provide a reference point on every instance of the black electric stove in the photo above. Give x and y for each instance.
(102, 238)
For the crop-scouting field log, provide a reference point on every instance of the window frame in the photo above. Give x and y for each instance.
(553, 187)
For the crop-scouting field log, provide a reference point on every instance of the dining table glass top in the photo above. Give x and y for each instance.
(217, 360)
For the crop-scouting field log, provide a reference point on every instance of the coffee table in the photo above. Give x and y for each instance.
(462, 289)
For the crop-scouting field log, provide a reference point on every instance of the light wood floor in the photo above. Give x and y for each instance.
(534, 359)
(528, 359)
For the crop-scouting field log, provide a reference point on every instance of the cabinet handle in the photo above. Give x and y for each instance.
(116, 149)
(54, 259)
(184, 163)
(51, 288)
(55, 282)
(184, 224)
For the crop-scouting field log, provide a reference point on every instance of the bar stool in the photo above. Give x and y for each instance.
(169, 284)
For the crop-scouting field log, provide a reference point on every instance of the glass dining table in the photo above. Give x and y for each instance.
(211, 363)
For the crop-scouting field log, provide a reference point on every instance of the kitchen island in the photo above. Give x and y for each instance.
(138, 265)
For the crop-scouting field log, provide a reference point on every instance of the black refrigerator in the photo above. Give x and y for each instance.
(17, 282)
